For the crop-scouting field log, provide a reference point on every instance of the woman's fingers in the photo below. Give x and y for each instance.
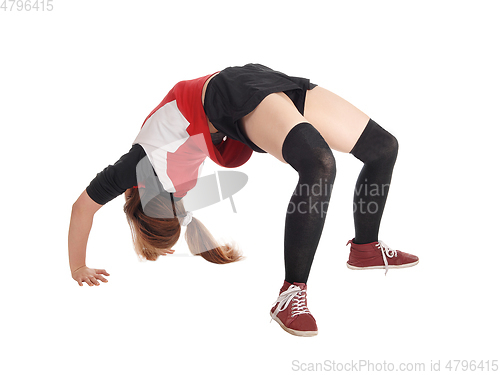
(97, 275)
(90, 276)
(102, 271)
(101, 278)
(91, 281)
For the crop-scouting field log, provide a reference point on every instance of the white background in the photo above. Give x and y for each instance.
(76, 84)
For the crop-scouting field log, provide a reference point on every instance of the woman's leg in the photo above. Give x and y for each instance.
(278, 128)
(378, 150)
(347, 129)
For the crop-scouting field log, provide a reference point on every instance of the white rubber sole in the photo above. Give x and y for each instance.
(294, 332)
(382, 267)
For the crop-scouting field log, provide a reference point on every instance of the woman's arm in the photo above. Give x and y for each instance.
(82, 215)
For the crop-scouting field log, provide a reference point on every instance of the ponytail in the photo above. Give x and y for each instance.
(152, 235)
(201, 242)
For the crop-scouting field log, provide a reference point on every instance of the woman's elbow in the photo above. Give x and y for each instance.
(85, 204)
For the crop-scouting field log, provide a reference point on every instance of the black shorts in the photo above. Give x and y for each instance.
(236, 91)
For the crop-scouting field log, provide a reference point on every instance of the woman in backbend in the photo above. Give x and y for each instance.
(227, 116)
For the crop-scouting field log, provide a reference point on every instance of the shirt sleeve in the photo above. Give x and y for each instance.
(116, 179)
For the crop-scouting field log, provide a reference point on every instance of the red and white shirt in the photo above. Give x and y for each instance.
(176, 139)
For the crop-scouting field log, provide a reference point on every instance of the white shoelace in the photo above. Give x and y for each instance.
(295, 295)
(386, 251)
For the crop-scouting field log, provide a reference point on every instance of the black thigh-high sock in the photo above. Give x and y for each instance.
(378, 150)
(308, 153)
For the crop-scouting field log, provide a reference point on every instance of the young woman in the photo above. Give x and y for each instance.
(227, 116)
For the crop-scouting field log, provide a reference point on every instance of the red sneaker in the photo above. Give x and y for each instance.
(291, 312)
(375, 255)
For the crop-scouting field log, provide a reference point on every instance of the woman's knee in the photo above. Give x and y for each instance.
(393, 146)
(308, 153)
(388, 147)
(376, 144)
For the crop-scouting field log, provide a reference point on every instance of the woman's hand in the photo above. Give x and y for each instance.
(89, 276)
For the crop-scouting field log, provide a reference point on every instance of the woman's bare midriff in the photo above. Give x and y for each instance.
(210, 126)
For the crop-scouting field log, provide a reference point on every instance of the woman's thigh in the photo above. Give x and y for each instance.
(338, 121)
(269, 123)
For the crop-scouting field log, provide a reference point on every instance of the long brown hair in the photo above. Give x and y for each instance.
(161, 229)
